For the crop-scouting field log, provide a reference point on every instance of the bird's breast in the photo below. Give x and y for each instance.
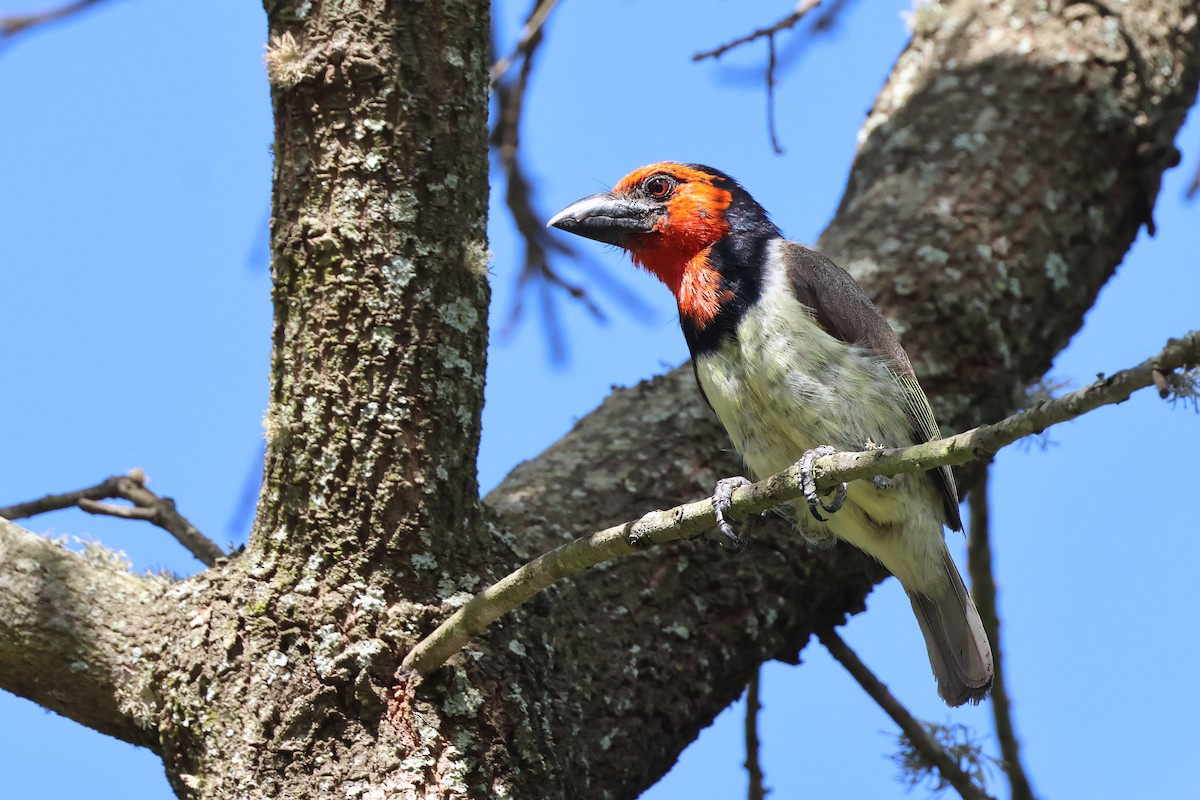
(782, 385)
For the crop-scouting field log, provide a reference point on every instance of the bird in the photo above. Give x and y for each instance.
(797, 362)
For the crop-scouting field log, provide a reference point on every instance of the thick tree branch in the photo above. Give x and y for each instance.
(920, 737)
(147, 506)
(692, 519)
(67, 628)
(983, 590)
(1001, 177)
(983, 228)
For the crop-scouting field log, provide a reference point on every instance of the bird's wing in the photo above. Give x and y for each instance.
(843, 309)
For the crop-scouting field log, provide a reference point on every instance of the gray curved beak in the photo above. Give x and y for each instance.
(606, 218)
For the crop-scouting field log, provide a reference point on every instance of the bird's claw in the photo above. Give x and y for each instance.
(808, 484)
(722, 499)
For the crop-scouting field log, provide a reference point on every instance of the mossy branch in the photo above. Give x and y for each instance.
(691, 519)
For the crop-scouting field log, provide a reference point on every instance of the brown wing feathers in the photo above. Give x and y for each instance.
(844, 311)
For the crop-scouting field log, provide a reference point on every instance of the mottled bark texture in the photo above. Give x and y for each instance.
(65, 632)
(1002, 174)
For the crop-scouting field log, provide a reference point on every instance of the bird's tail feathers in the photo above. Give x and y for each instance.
(958, 647)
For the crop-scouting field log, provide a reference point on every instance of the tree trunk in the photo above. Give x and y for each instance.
(1002, 174)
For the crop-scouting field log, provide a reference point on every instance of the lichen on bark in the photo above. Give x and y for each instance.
(1001, 176)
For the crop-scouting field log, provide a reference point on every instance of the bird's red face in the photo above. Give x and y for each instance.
(668, 216)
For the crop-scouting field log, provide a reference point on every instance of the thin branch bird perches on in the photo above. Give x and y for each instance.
(692, 519)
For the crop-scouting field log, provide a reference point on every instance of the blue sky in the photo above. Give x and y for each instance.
(135, 151)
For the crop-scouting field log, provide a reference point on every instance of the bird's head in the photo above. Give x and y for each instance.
(668, 216)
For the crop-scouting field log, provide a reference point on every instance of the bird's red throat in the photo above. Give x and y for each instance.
(677, 251)
(695, 284)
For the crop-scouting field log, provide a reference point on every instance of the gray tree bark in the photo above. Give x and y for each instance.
(1002, 175)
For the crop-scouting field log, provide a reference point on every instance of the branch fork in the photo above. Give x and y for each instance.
(146, 506)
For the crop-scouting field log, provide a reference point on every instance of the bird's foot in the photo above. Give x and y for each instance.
(722, 499)
(809, 484)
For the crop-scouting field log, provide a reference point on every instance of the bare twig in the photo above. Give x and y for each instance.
(692, 519)
(828, 17)
(531, 35)
(787, 22)
(1193, 187)
(756, 790)
(918, 735)
(19, 23)
(109, 510)
(518, 195)
(983, 589)
(536, 270)
(54, 502)
(147, 506)
(802, 8)
(821, 24)
(771, 96)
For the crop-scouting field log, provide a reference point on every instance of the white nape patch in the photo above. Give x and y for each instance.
(786, 386)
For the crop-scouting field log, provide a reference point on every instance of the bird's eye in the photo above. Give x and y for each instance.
(659, 187)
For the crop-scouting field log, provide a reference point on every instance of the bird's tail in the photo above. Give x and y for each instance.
(959, 651)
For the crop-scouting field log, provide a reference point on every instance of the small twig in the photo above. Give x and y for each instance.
(771, 95)
(756, 790)
(787, 22)
(18, 23)
(828, 17)
(531, 35)
(147, 506)
(692, 519)
(822, 24)
(518, 195)
(917, 734)
(536, 269)
(983, 590)
(802, 9)
(54, 502)
(124, 512)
